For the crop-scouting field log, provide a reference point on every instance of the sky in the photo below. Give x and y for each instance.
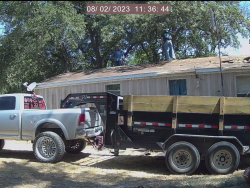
(244, 49)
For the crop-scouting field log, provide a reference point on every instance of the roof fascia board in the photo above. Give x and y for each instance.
(193, 72)
(175, 74)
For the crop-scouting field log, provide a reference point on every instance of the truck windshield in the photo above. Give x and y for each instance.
(34, 103)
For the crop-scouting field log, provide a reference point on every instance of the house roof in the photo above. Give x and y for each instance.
(172, 67)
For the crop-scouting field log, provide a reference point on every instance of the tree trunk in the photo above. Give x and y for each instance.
(95, 45)
(174, 37)
(145, 52)
(128, 50)
(65, 59)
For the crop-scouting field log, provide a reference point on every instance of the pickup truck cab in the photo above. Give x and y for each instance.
(25, 117)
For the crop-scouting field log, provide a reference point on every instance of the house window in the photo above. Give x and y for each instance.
(177, 87)
(113, 88)
(243, 86)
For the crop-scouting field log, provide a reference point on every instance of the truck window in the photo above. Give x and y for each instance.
(7, 103)
(34, 103)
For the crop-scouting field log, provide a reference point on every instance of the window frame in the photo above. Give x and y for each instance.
(38, 103)
(105, 87)
(235, 84)
(14, 102)
(179, 78)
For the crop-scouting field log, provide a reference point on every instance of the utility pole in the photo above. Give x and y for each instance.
(215, 27)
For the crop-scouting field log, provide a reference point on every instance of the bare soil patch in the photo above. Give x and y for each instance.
(19, 168)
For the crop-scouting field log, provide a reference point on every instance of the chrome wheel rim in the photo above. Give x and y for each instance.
(222, 159)
(182, 159)
(46, 147)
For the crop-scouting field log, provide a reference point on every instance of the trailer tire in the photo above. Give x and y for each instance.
(222, 158)
(48, 147)
(78, 146)
(2, 143)
(182, 158)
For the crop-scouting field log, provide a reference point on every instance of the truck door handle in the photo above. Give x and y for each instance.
(13, 116)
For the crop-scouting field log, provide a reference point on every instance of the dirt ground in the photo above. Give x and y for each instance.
(19, 168)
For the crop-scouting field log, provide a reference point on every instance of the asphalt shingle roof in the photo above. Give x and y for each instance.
(175, 66)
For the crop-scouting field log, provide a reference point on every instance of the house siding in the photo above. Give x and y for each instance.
(210, 85)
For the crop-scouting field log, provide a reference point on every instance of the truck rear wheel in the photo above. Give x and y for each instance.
(48, 147)
(182, 158)
(76, 146)
(2, 143)
(222, 158)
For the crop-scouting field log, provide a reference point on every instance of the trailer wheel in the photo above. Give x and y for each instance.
(48, 147)
(222, 158)
(182, 158)
(77, 147)
(2, 143)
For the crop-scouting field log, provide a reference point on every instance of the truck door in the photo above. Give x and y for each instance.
(9, 117)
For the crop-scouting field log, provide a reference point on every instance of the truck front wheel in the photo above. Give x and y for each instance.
(48, 147)
(222, 158)
(2, 143)
(182, 158)
(76, 146)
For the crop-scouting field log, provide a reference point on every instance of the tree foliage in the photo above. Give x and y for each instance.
(45, 38)
(40, 41)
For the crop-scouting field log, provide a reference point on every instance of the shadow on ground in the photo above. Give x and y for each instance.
(125, 171)
(53, 175)
(148, 164)
(28, 176)
(29, 155)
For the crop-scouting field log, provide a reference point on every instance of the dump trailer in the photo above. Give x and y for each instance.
(187, 129)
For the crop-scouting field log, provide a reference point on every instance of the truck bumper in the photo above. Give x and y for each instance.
(88, 132)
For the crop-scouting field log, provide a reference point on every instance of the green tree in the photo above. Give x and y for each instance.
(41, 41)
(46, 38)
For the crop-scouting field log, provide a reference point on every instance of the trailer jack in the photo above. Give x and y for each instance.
(98, 143)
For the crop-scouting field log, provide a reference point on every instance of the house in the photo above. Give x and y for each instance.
(193, 77)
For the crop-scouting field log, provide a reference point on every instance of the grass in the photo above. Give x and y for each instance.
(19, 168)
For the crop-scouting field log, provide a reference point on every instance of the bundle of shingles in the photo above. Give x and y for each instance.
(246, 60)
(228, 61)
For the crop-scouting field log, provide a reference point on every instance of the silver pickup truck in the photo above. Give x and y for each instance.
(24, 117)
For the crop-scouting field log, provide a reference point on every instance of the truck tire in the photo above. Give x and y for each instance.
(222, 158)
(77, 147)
(2, 143)
(48, 147)
(182, 158)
